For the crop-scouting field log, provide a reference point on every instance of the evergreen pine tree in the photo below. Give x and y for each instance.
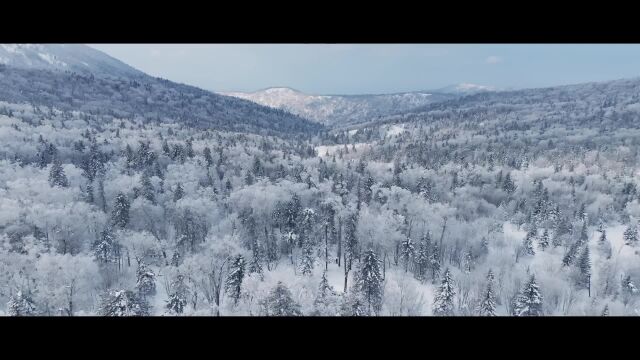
(422, 258)
(207, 157)
(123, 303)
(233, 284)
(544, 240)
(255, 266)
(308, 259)
(407, 253)
(443, 304)
(369, 281)
(57, 176)
(605, 311)
(583, 233)
(145, 283)
(148, 192)
(508, 185)
(529, 300)
(630, 236)
(120, 213)
(325, 302)
(434, 262)
(584, 264)
(178, 193)
(487, 306)
(178, 297)
(21, 304)
(571, 255)
(527, 245)
(281, 303)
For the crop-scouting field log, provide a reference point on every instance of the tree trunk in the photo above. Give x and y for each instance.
(339, 240)
(326, 249)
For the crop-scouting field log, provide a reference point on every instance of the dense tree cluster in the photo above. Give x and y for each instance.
(508, 204)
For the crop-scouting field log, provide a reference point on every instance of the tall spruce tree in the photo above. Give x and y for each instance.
(120, 212)
(529, 300)
(57, 176)
(233, 284)
(281, 303)
(443, 304)
(369, 281)
(487, 306)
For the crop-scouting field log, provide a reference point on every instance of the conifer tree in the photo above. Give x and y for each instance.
(369, 281)
(630, 236)
(544, 240)
(325, 302)
(57, 176)
(487, 306)
(529, 300)
(407, 253)
(123, 303)
(584, 264)
(281, 303)
(145, 283)
(120, 212)
(233, 284)
(21, 304)
(178, 297)
(443, 304)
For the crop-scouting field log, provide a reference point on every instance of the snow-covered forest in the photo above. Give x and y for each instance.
(116, 202)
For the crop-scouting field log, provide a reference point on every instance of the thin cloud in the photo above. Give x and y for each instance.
(493, 60)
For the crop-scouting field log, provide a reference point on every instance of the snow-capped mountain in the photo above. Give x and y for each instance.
(64, 57)
(465, 89)
(343, 109)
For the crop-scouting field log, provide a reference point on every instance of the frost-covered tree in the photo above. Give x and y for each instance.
(57, 176)
(233, 284)
(527, 244)
(120, 212)
(584, 264)
(544, 240)
(630, 236)
(434, 262)
(147, 190)
(443, 303)
(145, 280)
(369, 281)
(508, 185)
(179, 296)
(326, 301)
(123, 303)
(308, 258)
(178, 193)
(529, 300)
(21, 304)
(281, 303)
(106, 248)
(487, 306)
(407, 253)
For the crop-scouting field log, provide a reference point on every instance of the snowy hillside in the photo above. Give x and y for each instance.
(340, 109)
(64, 57)
(79, 78)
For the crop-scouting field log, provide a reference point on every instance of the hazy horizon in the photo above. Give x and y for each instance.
(352, 69)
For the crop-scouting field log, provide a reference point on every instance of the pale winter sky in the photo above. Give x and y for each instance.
(378, 68)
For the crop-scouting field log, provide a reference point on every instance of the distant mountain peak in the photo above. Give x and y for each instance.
(465, 88)
(338, 109)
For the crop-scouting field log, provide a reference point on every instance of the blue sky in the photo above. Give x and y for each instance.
(378, 68)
